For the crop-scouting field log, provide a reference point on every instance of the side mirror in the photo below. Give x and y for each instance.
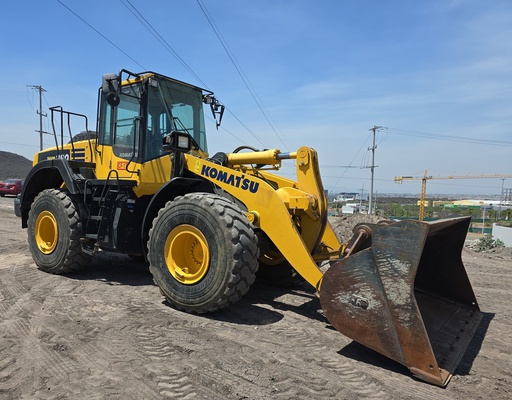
(110, 87)
(216, 107)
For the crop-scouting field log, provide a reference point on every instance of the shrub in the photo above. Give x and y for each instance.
(488, 242)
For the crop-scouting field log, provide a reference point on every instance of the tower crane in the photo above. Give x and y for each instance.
(425, 178)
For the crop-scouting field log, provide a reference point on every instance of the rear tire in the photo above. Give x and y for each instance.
(277, 272)
(54, 234)
(274, 269)
(202, 252)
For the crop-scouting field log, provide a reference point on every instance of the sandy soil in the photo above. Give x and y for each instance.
(108, 333)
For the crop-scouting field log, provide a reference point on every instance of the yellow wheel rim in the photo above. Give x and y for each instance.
(46, 232)
(272, 257)
(186, 254)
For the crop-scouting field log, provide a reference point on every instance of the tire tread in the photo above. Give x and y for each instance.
(243, 240)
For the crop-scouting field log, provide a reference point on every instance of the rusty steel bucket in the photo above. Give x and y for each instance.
(404, 293)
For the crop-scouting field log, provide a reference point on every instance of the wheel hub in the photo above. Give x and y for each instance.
(186, 254)
(46, 232)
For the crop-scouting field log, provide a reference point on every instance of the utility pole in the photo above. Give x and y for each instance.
(483, 219)
(372, 167)
(501, 199)
(361, 199)
(40, 112)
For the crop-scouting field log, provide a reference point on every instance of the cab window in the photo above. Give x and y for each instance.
(127, 126)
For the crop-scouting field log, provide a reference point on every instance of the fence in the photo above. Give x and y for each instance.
(502, 233)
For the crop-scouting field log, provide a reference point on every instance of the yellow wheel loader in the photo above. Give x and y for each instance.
(142, 183)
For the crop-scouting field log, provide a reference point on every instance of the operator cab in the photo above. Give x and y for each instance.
(136, 114)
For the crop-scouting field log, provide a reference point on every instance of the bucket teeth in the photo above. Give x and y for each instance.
(407, 296)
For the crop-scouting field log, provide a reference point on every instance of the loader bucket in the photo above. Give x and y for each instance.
(406, 295)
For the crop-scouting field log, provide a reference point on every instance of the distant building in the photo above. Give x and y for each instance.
(352, 208)
(478, 204)
(347, 196)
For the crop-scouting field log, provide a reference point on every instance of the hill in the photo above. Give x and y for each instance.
(13, 165)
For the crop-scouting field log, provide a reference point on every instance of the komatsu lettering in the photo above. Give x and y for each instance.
(230, 179)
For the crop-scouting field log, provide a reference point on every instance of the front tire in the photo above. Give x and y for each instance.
(202, 252)
(54, 234)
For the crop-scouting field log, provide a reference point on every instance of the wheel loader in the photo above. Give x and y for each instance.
(143, 184)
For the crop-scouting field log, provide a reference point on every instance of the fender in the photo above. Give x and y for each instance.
(175, 187)
(45, 175)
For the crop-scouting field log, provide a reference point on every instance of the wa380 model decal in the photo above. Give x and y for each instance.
(77, 154)
(230, 179)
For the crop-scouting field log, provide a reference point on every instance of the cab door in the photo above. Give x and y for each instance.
(119, 136)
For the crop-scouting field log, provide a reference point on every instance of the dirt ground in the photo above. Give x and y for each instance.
(107, 333)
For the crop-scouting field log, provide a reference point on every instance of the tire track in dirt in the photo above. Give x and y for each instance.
(312, 347)
(193, 344)
(44, 326)
(106, 333)
(17, 324)
(168, 349)
(317, 349)
(314, 344)
(270, 353)
(10, 380)
(293, 343)
(102, 344)
(366, 373)
(11, 287)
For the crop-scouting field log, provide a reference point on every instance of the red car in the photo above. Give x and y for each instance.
(11, 186)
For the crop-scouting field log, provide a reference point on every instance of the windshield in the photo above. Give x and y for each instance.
(173, 106)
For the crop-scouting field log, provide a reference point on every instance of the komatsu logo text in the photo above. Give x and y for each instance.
(230, 179)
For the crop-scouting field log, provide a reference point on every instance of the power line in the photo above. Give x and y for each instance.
(349, 165)
(462, 185)
(101, 34)
(20, 144)
(159, 37)
(137, 14)
(30, 101)
(11, 86)
(239, 69)
(247, 128)
(229, 132)
(337, 166)
(452, 138)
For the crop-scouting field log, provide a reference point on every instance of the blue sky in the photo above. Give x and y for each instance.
(434, 73)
